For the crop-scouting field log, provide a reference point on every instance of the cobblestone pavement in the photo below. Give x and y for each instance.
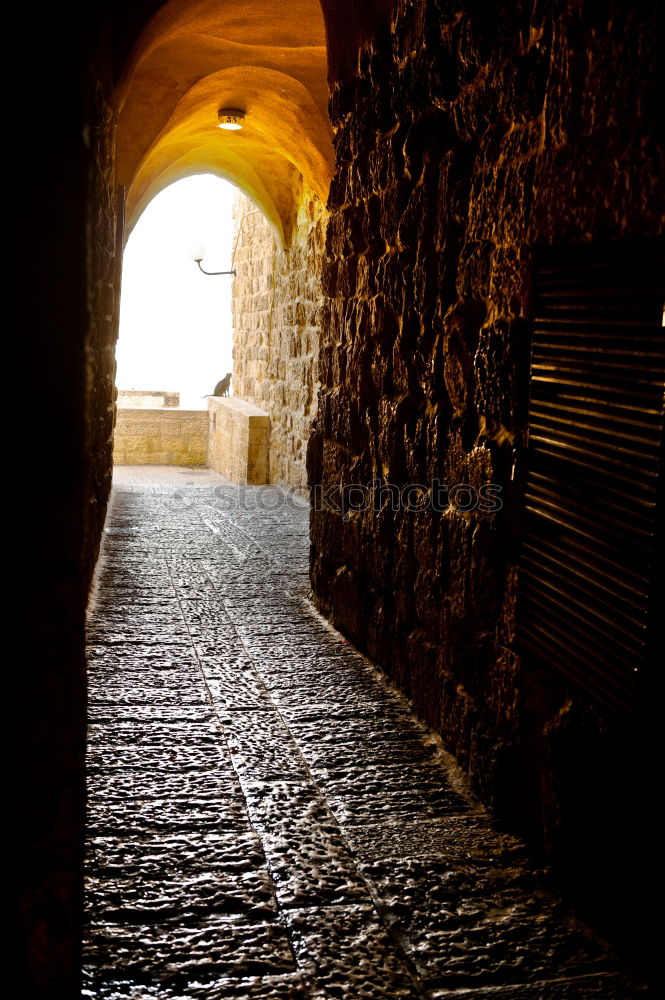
(267, 820)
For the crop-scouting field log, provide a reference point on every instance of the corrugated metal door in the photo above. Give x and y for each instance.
(594, 480)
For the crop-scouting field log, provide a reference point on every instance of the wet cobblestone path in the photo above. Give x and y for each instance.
(266, 819)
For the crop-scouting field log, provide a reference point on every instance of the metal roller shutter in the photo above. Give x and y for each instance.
(594, 480)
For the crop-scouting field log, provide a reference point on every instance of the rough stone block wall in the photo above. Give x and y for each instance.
(239, 441)
(160, 437)
(472, 134)
(276, 317)
(105, 247)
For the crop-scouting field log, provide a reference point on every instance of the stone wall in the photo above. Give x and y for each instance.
(468, 139)
(104, 272)
(276, 316)
(147, 397)
(160, 437)
(238, 440)
(62, 314)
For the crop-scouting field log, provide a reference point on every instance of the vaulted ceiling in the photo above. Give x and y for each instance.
(272, 60)
(196, 56)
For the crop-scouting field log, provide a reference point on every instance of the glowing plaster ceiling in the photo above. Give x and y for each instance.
(266, 58)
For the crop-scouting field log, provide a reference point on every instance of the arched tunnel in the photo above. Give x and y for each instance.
(461, 206)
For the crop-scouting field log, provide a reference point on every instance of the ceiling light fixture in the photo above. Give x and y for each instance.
(230, 119)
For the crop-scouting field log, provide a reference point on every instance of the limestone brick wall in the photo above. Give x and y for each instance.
(472, 134)
(160, 437)
(276, 317)
(147, 397)
(238, 440)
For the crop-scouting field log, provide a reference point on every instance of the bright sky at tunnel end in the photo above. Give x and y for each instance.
(175, 323)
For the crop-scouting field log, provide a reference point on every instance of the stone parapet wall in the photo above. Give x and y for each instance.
(160, 437)
(147, 397)
(239, 440)
(276, 317)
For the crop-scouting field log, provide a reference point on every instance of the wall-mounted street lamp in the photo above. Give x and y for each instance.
(198, 261)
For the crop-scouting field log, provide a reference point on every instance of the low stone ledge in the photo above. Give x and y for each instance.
(238, 440)
(160, 437)
(147, 398)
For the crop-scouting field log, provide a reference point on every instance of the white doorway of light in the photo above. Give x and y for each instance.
(175, 322)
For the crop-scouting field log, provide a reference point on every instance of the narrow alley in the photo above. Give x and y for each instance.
(267, 820)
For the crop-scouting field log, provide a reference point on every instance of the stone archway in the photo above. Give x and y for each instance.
(192, 59)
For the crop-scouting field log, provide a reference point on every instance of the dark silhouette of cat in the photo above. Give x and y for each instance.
(222, 387)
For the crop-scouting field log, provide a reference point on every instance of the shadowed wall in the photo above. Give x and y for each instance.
(62, 312)
(470, 136)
